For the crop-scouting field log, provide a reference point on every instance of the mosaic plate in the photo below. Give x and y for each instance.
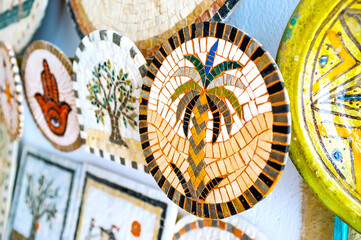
(214, 120)
(19, 20)
(147, 23)
(323, 76)
(114, 207)
(189, 228)
(108, 71)
(8, 156)
(11, 92)
(48, 87)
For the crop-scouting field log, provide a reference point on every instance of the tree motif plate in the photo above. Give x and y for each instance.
(189, 228)
(147, 23)
(214, 120)
(19, 20)
(11, 92)
(323, 76)
(108, 71)
(48, 86)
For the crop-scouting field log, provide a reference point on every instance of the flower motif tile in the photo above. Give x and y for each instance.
(214, 120)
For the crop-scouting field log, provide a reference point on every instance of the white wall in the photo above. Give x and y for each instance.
(279, 215)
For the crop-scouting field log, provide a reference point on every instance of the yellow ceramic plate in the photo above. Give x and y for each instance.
(319, 58)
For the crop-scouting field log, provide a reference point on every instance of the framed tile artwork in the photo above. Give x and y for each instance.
(11, 92)
(108, 71)
(48, 87)
(214, 120)
(19, 20)
(147, 23)
(45, 197)
(191, 228)
(8, 156)
(113, 207)
(324, 85)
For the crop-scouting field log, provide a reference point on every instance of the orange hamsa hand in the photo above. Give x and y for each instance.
(55, 112)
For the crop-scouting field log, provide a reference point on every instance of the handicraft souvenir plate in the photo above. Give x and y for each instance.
(11, 93)
(323, 76)
(147, 23)
(19, 20)
(113, 207)
(108, 71)
(45, 197)
(8, 155)
(214, 120)
(48, 87)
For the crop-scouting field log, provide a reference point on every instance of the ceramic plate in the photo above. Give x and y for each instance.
(147, 23)
(108, 70)
(11, 92)
(48, 87)
(323, 77)
(214, 120)
(19, 20)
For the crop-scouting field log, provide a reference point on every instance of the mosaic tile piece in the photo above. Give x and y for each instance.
(19, 20)
(108, 71)
(114, 207)
(11, 92)
(8, 156)
(214, 120)
(325, 92)
(48, 87)
(190, 228)
(147, 23)
(45, 197)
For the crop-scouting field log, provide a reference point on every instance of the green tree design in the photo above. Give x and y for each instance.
(111, 93)
(40, 196)
(204, 92)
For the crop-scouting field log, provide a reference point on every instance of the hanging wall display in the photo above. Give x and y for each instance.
(323, 77)
(147, 23)
(19, 20)
(214, 120)
(114, 207)
(45, 197)
(108, 71)
(189, 228)
(48, 87)
(8, 156)
(11, 92)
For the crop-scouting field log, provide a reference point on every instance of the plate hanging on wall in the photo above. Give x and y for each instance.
(147, 23)
(11, 92)
(19, 21)
(323, 77)
(214, 120)
(108, 71)
(48, 87)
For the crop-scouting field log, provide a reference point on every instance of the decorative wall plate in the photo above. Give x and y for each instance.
(48, 87)
(113, 207)
(147, 23)
(214, 120)
(19, 20)
(11, 92)
(108, 71)
(8, 156)
(323, 76)
(189, 228)
(45, 197)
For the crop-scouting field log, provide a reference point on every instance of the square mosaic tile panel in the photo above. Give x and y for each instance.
(11, 92)
(108, 71)
(214, 120)
(48, 87)
(113, 207)
(19, 20)
(147, 23)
